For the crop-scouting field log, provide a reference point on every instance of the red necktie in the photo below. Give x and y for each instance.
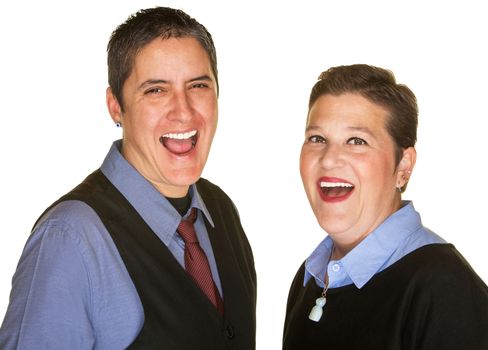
(196, 263)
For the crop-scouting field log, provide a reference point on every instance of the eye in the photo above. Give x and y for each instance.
(316, 139)
(199, 86)
(356, 141)
(153, 91)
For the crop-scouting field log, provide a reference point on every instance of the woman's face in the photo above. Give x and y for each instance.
(170, 113)
(348, 168)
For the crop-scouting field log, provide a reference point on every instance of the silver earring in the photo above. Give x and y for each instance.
(118, 124)
(398, 187)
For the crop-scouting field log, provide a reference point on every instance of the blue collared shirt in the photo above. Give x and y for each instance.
(71, 289)
(401, 233)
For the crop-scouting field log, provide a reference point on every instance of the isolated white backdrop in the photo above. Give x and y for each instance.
(55, 128)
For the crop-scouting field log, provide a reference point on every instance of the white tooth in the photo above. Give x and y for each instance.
(181, 136)
(335, 184)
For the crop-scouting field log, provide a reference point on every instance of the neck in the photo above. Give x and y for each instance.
(340, 250)
(343, 244)
(181, 204)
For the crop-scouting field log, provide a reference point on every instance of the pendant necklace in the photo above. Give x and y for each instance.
(317, 310)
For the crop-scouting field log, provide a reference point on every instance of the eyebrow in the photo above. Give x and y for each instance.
(363, 129)
(312, 127)
(202, 77)
(162, 81)
(152, 82)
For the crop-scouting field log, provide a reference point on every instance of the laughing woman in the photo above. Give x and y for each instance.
(379, 280)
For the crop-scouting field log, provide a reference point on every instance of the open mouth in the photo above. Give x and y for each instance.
(335, 191)
(179, 143)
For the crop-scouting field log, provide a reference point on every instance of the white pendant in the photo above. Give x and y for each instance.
(317, 311)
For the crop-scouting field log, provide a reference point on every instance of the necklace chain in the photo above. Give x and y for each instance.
(326, 282)
(326, 278)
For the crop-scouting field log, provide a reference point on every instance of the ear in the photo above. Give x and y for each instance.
(113, 106)
(405, 167)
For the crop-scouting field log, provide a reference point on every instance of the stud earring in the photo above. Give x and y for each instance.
(118, 124)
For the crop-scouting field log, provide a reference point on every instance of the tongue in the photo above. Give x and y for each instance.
(338, 191)
(178, 146)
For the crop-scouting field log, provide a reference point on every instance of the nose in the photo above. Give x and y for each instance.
(332, 157)
(181, 108)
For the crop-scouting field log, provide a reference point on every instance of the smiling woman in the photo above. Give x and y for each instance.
(379, 280)
(143, 252)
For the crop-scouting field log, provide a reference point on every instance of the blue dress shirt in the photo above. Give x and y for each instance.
(71, 289)
(401, 233)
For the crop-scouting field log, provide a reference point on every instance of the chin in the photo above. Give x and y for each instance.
(332, 229)
(333, 223)
(187, 177)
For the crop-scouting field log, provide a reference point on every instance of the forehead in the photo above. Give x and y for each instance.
(349, 110)
(174, 54)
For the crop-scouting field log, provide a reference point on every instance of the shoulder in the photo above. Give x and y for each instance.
(57, 232)
(439, 257)
(433, 258)
(210, 190)
(71, 218)
(448, 301)
(73, 225)
(67, 213)
(440, 268)
(214, 197)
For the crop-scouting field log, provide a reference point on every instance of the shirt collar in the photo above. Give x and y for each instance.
(368, 257)
(153, 207)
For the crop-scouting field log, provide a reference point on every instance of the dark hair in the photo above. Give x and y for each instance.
(379, 86)
(142, 28)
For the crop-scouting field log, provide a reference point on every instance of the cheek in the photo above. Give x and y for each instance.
(378, 172)
(207, 121)
(304, 165)
(205, 105)
(143, 116)
(212, 107)
(308, 171)
(213, 121)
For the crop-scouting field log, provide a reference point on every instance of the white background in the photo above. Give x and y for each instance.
(55, 128)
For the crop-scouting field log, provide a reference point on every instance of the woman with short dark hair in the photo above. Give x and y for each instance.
(380, 279)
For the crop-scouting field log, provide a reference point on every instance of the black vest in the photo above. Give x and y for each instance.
(177, 314)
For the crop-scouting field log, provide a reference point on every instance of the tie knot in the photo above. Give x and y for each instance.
(186, 228)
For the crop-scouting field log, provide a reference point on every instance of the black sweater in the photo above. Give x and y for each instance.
(430, 299)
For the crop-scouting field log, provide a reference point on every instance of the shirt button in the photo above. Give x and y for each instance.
(336, 267)
(229, 332)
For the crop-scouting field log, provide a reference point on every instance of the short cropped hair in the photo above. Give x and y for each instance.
(379, 86)
(140, 29)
